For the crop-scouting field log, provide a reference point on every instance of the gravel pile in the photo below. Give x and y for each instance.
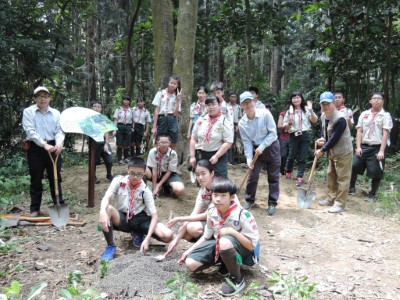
(138, 275)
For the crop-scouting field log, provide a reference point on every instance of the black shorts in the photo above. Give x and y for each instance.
(368, 161)
(139, 223)
(137, 134)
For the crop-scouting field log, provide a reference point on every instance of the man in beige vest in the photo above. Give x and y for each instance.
(336, 141)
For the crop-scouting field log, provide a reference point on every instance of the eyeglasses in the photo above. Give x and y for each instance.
(133, 174)
(42, 97)
(376, 98)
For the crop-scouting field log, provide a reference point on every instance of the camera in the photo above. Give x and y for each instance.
(297, 133)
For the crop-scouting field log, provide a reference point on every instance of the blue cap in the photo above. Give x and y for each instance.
(326, 97)
(245, 95)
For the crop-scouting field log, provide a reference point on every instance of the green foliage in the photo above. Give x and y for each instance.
(250, 292)
(77, 291)
(103, 268)
(181, 288)
(292, 287)
(14, 291)
(9, 247)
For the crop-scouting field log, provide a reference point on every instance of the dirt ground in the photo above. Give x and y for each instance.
(353, 255)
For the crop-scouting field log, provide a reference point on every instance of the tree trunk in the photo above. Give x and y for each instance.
(163, 37)
(91, 23)
(388, 65)
(184, 63)
(249, 63)
(275, 73)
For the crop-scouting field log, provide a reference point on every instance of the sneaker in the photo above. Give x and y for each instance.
(137, 239)
(223, 270)
(233, 163)
(371, 198)
(109, 253)
(109, 178)
(121, 162)
(325, 202)
(34, 214)
(299, 181)
(352, 191)
(288, 175)
(248, 205)
(233, 287)
(96, 181)
(336, 209)
(271, 210)
(126, 160)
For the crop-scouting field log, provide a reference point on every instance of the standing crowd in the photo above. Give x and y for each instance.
(222, 230)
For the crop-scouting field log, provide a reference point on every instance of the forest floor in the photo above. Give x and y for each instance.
(353, 255)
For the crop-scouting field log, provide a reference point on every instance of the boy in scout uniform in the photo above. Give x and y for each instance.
(373, 130)
(141, 121)
(230, 236)
(123, 119)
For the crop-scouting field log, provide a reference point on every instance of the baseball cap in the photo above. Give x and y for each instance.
(39, 89)
(246, 95)
(326, 97)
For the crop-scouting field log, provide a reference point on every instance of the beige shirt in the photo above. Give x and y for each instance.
(141, 116)
(144, 200)
(221, 132)
(346, 111)
(302, 121)
(165, 103)
(239, 219)
(169, 162)
(372, 126)
(203, 201)
(123, 116)
(234, 111)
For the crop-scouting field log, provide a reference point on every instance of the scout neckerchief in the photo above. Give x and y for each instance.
(200, 106)
(159, 159)
(372, 123)
(211, 122)
(341, 107)
(140, 113)
(167, 100)
(125, 109)
(133, 189)
(299, 112)
(206, 195)
(221, 220)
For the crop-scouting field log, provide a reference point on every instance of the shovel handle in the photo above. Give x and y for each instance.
(54, 162)
(312, 169)
(248, 170)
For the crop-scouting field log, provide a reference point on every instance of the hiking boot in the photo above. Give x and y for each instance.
(121, 162)
(299, 181)
(271, 210)
(248, 205)
(109, 178)
(109, 253)
(371, 198)
(137, 239)
(288, 175)
(325, 202)
(352, 191)
(223, 270)
(229, 290)
(336, 209)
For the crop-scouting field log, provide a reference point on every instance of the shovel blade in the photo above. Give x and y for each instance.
(59, 215)
(305, 198)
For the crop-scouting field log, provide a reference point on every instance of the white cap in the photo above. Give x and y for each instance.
(40, 88)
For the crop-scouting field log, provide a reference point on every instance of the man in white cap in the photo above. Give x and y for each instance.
(258, 133)
(336, 141)
(41, 124)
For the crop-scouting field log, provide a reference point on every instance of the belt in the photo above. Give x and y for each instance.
(139, 124)
(127, 124)
(370, 145)
(164, 115)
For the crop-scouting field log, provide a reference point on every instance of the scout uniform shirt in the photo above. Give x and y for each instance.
(163, 162)
(144, 200)
(203, 199)
(301, 120)
(141, 116)
(210, 137)
(165, 103)
(239, 219)
(197, 109)
(123, 116)
(346, 111)
(372, 125)
(234, 110)
(224, 109)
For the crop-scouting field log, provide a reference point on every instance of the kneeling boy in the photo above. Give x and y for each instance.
(231, 236)
(135, 211)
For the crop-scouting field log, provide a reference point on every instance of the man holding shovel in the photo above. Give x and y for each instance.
(258, 132)
(336, 141)
(41, 124)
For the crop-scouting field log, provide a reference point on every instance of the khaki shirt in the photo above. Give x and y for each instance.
(239, 219)
(123, 116)
(225, 111)
(235, 111)
(144, 200)
(141, 116)
(165, 103)
(372, 128)
(221, 132)
(168, 163)
(302, 121)
(205, 203)
(346, 111)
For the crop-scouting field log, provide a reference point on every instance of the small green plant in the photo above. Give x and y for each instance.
(103, 268)
(14, 291)
(77, 291)
(292, 286)
(250, 292)
(181, 288)
(9, 247)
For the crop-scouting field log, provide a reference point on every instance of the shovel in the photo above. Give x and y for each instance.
(248, 171)
(59, 213)
(304, 197)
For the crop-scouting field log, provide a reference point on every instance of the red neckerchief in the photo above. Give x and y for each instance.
(211, 122)
(133, 189)
(372, 123)
(342, 106)
(167, 99)
(206, 195)
(221, 220)
(140, 113)
(125, 109)
(159, 159)
(300, 113)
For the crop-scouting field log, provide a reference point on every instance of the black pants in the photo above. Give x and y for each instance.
(38, 161)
